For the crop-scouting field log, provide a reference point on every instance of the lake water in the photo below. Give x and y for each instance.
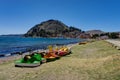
(12, 44)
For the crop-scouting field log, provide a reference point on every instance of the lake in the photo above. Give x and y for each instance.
(13, 44)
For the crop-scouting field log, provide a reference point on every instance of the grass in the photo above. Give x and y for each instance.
(93, 61)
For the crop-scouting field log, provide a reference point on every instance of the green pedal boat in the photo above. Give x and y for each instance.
(32, 60)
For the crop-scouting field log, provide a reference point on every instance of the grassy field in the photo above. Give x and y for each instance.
(92, 61)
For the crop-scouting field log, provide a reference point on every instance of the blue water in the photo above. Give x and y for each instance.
(12, 44)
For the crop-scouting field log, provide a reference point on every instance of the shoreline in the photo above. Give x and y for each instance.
(11, 46)
(17, 56)
(28, 49)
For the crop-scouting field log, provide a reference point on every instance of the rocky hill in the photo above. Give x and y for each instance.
(92, 32)
(53, 28)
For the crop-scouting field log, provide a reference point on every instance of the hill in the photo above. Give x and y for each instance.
(103, 35)
(92, 32)
(53, 28)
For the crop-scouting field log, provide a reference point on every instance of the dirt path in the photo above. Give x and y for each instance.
(116, 43)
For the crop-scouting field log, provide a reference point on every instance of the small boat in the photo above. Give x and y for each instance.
(82, 43)
(32, 60)
(21, 63)
(49, 57)
(64, 51)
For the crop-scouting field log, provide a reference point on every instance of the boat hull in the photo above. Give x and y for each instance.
(27, 65)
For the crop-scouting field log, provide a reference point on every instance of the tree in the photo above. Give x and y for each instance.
(95, 36)
(71, 28)
(113, 35)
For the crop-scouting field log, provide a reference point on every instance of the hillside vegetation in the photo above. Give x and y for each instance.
(92, 61)
(53, 28)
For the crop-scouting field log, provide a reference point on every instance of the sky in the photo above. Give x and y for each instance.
(18, 16)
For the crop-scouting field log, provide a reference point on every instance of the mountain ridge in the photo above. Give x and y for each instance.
(92, 32)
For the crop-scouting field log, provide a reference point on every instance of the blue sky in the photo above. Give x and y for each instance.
(18, 16)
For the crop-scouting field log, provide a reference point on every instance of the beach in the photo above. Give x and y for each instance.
(59, 39)
(92, 61)
(17, 56)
